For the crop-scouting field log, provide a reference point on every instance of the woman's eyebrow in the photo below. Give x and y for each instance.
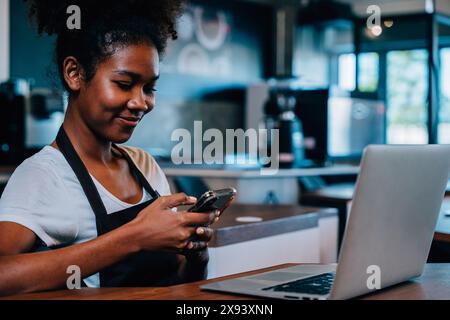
(133, 75)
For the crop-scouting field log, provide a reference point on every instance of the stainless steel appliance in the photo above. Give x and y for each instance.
(29, 119)
(335, 125)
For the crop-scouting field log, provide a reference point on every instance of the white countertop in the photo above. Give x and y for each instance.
(256, 173)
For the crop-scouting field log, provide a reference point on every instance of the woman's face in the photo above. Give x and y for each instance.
(121, 93)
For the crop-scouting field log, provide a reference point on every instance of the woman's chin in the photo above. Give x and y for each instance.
(121, 137)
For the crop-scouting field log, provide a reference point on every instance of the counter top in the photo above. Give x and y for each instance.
(256, 173)
(274, 220)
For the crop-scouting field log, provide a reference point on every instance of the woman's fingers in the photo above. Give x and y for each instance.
(197, 246)
(199, 219)
(176, 200)
(204, 234)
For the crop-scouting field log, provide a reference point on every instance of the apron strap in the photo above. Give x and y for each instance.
(91, 192)
(138, 174)
(83, 176)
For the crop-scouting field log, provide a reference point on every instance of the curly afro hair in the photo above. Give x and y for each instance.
(106, 25)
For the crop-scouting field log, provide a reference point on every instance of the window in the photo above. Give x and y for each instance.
(347, 71)
(444, 113)
(407, 90)
(368, 72)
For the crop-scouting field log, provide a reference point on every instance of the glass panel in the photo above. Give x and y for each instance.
(368, 72)
(407, 88)
(444, 113)
(347, 71)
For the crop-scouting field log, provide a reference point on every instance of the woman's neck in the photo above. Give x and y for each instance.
(88, 145)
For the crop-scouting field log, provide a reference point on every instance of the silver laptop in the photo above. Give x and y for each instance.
(395, 208)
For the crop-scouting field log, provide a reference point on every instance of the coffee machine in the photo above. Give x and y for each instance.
(13, 99)
(279, 114)
(29, 120)
(336, 124)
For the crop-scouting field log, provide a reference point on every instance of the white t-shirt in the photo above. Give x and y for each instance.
(45, 196)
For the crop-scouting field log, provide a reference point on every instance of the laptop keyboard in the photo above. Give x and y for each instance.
(319, 285)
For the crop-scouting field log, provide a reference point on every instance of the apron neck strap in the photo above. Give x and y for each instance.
(77, 165)
(91, 192)
(138, 174)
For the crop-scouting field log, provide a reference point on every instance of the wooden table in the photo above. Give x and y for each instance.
(433, 285)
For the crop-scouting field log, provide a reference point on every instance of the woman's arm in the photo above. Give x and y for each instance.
(155, 228)
(21, 273)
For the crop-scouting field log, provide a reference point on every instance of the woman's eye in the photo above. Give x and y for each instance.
(149, 90)
(124, 85)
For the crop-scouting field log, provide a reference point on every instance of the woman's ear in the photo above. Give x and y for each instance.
(73, 73)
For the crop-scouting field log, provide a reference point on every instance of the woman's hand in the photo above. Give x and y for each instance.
(157, 227)
(196, 250)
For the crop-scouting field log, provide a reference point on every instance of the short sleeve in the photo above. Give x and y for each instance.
(150, 169)
(34, 198)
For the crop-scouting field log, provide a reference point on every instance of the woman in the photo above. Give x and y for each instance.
(95, 204)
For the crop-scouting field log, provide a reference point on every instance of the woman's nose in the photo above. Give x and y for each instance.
(139, 102)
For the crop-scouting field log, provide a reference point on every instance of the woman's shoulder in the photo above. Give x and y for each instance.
(37, 178)
(149, 167)
(42, 171)
(137, 154)
(143, 160)
(47, 159)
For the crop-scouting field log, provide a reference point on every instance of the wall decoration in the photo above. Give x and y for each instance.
(186, 27)
(194, 60)
(211, 33)
(204, 45)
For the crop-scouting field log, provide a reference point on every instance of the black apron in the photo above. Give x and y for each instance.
(146, 268)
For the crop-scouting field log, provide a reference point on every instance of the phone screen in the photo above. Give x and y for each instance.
(213, 200)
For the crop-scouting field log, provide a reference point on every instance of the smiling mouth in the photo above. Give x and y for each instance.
(129, 121)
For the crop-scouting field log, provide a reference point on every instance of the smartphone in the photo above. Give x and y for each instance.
(213, 200)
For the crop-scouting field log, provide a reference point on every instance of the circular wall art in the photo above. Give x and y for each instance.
(193, 60)
(211, 34)
(186, 27)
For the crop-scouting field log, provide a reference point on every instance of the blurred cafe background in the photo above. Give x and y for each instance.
(321, 71)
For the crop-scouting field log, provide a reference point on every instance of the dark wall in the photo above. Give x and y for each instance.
(182, 97)
(31, 56)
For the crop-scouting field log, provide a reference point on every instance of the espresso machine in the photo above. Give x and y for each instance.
(14, 96)
(29, 120)
(279, 114)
